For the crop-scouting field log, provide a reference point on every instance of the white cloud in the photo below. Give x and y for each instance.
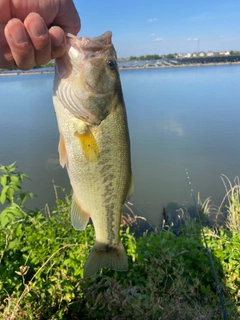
(152, 20)
(189, 39)
(158, 39)
(152, 35)
(173, 126)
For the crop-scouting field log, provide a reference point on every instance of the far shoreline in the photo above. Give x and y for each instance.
(38, 71)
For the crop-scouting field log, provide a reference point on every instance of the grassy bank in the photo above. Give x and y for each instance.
(39, 71)
(169, 276)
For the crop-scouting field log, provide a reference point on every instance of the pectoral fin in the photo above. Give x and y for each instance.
(62, 151)
(78, 216)
(89, 145)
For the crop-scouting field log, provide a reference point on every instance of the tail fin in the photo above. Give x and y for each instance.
(103, 255)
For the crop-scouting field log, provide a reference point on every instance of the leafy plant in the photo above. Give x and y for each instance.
(169, 276)
(11, 193)
(233, 198)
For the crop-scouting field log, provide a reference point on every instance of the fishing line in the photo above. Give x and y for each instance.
(219, 289)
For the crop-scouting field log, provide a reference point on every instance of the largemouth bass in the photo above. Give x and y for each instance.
(94, 144)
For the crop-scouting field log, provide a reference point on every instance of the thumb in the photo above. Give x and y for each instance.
(68, 18)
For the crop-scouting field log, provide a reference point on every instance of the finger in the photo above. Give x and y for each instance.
(68, 18)
(38, 33)
(58, 41)
(6, 58)
(20, 44)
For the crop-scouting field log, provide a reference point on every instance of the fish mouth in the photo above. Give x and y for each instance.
(90, 47)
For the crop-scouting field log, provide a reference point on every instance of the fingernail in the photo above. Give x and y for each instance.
(19, 36)
(39, 30)
(59, 41)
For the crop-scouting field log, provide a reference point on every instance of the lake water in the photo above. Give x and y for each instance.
(178, 118)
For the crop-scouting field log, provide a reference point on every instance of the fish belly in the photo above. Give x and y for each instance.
(98, 163)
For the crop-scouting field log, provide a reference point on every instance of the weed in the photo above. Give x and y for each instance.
(233, 198)
(169, 276)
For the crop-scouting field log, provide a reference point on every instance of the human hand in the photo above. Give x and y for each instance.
(26, 35)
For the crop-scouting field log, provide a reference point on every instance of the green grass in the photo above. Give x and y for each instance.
(50, 64)
(169, 276)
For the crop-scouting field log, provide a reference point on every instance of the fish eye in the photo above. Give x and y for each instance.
(111, 64)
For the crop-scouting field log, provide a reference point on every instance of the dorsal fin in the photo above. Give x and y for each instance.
(130, 190)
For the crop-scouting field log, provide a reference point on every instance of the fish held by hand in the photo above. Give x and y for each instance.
(94, 144)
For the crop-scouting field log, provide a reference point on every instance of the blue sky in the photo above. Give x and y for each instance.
(146, 27)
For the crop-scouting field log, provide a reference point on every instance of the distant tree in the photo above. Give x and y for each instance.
(170, 56)
(133, 58)
(152, 57)
(235, 53)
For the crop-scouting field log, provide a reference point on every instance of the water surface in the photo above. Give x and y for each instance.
(178, 118)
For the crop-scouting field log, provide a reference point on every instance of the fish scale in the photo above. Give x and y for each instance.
(94, 144)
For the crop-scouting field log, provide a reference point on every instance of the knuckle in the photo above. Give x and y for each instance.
(7, 61)
(42, 43)
(25, 62)
(43, 59)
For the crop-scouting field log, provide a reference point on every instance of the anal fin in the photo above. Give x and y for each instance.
(78, 216)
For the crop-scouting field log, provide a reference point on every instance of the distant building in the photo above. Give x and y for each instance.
(194, 54)
(202, 54)
(227, 53)
(183, 55)
(210, 53)
(180, 55)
